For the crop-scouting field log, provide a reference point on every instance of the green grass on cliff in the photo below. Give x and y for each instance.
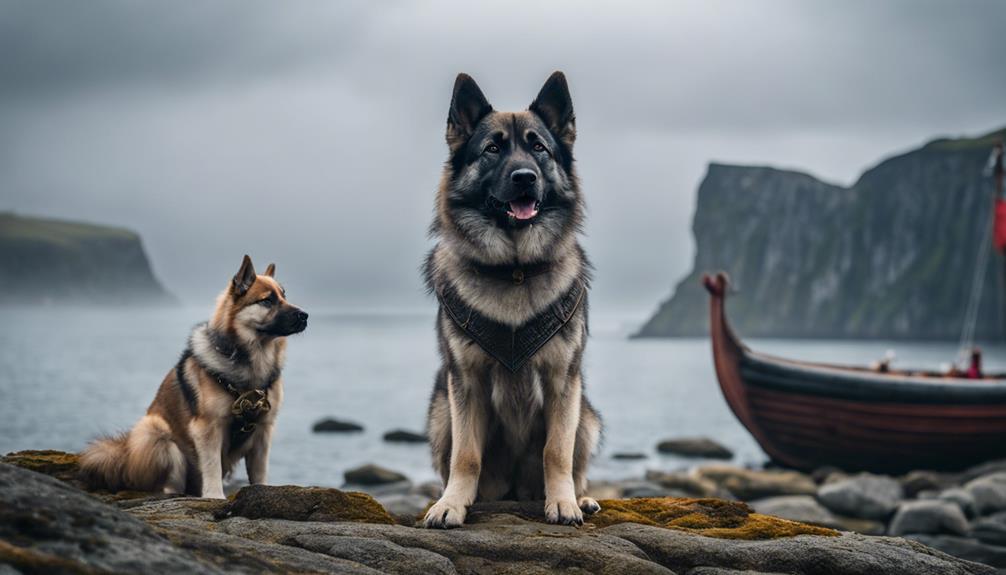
(958, 144)
(17, 228)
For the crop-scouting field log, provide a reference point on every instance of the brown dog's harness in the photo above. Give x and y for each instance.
(248, 408)
(249, 405)
(511, 346)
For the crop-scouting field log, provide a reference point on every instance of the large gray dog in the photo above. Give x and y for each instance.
(508, 418)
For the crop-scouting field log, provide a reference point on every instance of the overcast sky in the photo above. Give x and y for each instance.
(311, 133)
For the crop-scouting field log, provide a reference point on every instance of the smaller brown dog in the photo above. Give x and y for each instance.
(216, 406)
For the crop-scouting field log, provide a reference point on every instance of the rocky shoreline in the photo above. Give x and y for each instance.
(686, 523)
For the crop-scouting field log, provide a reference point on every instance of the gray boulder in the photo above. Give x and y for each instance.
(964, 548)
(989, 492)
(48, 526)
(803, 508)
(929, 516)
(373, 475)
(991, 529)
(749, 484)
(847, 554)
(864, 495)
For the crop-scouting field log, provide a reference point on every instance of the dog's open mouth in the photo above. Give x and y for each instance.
(523, 208)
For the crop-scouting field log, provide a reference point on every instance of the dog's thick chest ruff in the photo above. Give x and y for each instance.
(511, 346)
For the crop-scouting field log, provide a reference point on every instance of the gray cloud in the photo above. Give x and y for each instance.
(312, 133)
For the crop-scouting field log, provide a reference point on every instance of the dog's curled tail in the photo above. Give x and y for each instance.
(144, 459)
(102, 462)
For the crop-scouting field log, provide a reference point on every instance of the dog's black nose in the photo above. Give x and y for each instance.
(302, 315)
(523, 177)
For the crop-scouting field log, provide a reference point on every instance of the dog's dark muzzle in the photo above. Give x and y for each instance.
(287, 322)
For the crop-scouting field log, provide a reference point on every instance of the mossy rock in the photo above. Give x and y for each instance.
(305, 504)
(58, 464)
(29, 560)
(710, 517)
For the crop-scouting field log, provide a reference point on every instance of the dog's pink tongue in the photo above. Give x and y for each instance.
(524, 208)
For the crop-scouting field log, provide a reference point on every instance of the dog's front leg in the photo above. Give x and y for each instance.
(468, 436)
(257, 458)
(562, 417)
(208, 438)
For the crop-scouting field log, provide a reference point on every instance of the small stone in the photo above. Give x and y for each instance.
(604, 490)
(331, 425)
(987, 468)
(430, 489)
(989, 492)
(802, 508)
(916, 481)
(695, 447)
(405, 508)
(629, 455)
(403, 436)
(960, 497)
(748, 484)
(821, 474)
(373, 475)
(857, 525)
(928, 516)
(635, 488)
(694, 486)
(864, 495)
(991, 529)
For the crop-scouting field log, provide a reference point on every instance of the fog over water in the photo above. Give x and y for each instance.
(312, 133)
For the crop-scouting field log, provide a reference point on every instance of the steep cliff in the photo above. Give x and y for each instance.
(890, 257)
(55, 262)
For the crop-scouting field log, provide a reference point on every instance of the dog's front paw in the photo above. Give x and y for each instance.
(589, 505)
(445, 514)
(564, 511)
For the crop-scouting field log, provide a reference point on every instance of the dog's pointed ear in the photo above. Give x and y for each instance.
(244, 278)
(555, 107)
(270, 270)
(468, 107)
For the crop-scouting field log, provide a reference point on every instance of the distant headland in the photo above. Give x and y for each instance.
(56, 262)
(891, 256)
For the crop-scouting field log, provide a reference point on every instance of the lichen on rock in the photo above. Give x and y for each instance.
(58, 464)
(709, 517)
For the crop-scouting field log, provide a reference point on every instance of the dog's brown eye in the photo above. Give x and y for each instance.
(266, 302)
(538, 147)
(493, 149)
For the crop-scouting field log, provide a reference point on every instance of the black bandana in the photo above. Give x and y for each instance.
(511, 346)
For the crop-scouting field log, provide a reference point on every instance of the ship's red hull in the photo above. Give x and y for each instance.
(808, 415)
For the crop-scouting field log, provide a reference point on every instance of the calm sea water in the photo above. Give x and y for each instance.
(67, 376)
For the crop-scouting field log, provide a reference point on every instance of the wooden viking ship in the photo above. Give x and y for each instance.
(808, 415)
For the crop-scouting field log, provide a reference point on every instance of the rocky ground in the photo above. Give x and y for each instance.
(49, 525)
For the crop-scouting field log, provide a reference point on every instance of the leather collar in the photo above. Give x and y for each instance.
(516, 274)
(511, 346)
